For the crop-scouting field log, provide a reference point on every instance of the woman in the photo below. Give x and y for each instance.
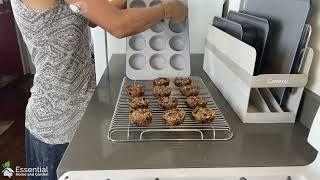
(57, 39)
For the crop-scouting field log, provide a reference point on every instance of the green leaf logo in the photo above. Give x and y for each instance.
(6, 165)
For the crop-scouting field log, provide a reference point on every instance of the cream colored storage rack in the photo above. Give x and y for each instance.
(230, 63)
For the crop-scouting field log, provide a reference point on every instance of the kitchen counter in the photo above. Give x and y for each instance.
(252, 144)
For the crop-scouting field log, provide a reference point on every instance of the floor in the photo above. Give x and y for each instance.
(13, 100)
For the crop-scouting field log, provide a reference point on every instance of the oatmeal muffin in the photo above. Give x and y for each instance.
(180, 81)
(161, 82)
(168, 103)
(138, 103)
(161, 91)
(190, 90)
(174, 117)
(141, 117)
(196, 101)
(203, 115)
(135, 90)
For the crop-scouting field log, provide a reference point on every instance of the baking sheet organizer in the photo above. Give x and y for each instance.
(121, 130)
(287, 19)
(231, 70)
(162, 50)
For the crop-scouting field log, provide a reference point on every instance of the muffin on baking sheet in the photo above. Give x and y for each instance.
(168, 103)
(161, 91)
(141, 117)
(203, 115)
(190, 90)
(181, 81)
(138, 103)
(135, 90)
(161, 82)
(196, 101)
(174, 117)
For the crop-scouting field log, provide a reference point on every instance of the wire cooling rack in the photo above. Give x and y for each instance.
(121, 130)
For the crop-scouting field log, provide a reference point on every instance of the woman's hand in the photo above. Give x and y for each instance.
(120, 4)
(175, 10)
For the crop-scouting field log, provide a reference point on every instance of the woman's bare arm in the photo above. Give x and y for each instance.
(122, 23)
(120, 4)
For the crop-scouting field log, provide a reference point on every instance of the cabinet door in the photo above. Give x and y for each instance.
(10, 60)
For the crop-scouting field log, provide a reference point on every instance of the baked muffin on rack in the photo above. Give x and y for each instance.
(138, 103)
(141, 117)
(190, 90)
(161, 82)
(196, 101)
(168, 103)
(174, 117)
(161, 91)
(135, 90)
(203, 115)
(181, 81)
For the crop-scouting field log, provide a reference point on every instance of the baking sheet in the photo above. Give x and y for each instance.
(262, 27)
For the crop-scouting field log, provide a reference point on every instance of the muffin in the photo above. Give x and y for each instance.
(180, 81)
(174, 117)
(168, 103)
(196, 101)
(138, 103)
(141, 117)
(190, 90)
(161, 82)
(161, 91)
(203, 115)
(135, 90)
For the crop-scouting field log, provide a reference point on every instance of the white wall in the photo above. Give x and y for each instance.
(98, 37)
(201, 13)
(314, 80)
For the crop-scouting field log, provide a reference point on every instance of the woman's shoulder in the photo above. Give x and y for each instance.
(39, 4)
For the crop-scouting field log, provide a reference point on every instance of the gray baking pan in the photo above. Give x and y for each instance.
(304, 41)
(287, 19)
(247, 34)
(230, 27)
(262, 29)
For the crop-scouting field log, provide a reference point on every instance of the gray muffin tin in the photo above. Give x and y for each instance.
(161, 51)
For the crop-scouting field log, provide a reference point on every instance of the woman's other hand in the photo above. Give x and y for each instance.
(175, 10)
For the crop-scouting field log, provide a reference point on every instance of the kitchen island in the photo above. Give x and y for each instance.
(256, 145)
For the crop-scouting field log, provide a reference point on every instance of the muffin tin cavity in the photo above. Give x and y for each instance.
(177, 62)
(137, 4)
(177, 43)
(158, 43)
(158, 28)
(137, 61)
(157, 62)
(137, 43)
(161, 51)
(177, 27)
(155, 2)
